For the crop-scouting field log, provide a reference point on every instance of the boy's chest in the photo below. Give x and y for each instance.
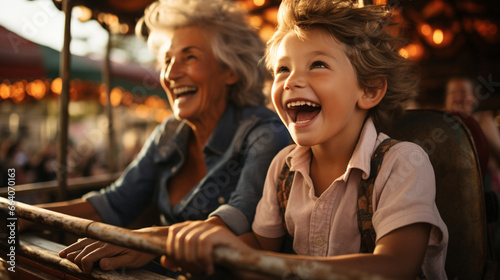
(324, 225)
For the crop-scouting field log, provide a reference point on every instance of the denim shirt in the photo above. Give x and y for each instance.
(237, 156)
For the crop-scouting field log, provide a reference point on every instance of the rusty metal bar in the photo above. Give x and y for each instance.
(88, 228)
(74, 184)
(225, 256)
(46, 252)
(64, 72)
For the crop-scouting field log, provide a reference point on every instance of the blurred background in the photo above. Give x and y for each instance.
(444, 37)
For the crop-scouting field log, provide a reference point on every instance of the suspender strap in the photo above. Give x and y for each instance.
(365, 194)
(285, 180)
(364, 205)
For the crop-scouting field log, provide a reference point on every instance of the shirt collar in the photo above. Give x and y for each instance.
(367, 143)
(224, 132)
(299, 158)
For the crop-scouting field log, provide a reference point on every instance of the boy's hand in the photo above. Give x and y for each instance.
(190, 245)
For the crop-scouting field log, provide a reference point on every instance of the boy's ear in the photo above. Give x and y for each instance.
(372, 96)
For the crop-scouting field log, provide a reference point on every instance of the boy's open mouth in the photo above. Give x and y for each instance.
(302, 111)
(184, 90)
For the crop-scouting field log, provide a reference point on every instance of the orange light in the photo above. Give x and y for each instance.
(56, 86)
(438, 36)
(37, 89)
(4, 91)
(115, 96)
(412, 51)
(124, 28)
(403, 52)
(161, 114)
(82, 13)
(255, 21)
(103, 98)
(152, 101)
(142, 111)
(426, 30)
(266, 32)
(259, 2)
(17, 94)
(271, 15)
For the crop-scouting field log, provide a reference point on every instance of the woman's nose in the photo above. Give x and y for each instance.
(173, 71)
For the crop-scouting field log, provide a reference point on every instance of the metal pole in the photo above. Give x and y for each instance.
(109, 107)
(248, 260)
(64, 72)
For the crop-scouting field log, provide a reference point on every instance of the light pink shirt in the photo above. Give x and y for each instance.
(403, 194)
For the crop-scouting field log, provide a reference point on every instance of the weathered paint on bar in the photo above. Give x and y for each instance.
(232, 258)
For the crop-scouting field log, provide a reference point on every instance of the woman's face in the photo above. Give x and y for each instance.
(195, 82)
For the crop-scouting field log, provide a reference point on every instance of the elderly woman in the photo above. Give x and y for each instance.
(209, 160)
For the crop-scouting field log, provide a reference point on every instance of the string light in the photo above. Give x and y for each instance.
(438, 36)
(259, 2)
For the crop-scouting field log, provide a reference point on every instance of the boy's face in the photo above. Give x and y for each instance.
(315, 90)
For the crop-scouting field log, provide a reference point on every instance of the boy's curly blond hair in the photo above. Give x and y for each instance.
(371, 49)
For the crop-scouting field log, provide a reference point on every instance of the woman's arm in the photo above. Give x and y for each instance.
(262, 144)
(86, 252)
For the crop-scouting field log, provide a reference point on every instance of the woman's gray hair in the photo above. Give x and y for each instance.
(234, 42)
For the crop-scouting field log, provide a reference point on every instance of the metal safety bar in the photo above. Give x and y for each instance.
(234, 258)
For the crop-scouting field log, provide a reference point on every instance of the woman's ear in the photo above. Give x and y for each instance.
(371, 97)
(231, 77)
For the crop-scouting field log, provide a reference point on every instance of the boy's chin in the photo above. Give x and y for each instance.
(302, 141)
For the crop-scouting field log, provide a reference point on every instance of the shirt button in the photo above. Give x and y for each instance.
(221, 200)
(319, 241)
(174, 169)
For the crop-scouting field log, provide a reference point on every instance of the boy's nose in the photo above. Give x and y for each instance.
(294, 81)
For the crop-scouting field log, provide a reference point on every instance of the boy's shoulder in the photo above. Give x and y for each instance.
(401, 147)
(404, 156)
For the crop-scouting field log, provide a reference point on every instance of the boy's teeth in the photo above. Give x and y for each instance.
(301, 103)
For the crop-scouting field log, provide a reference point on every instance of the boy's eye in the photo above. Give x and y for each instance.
(281, 69)
(318, 64)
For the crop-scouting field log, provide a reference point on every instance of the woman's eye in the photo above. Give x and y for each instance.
(318, 64)
(167, 61)
(281, 69)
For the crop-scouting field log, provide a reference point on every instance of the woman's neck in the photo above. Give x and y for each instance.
(204, 127)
